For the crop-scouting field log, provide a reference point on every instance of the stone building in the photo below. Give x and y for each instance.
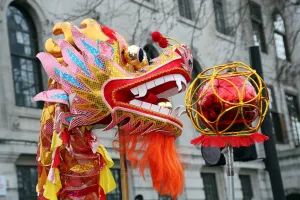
(217, 31)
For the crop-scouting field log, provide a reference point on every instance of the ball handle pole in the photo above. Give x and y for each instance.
(228, 152)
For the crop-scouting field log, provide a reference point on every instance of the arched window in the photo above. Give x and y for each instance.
(196, 69)
(280, 37)
(150, 51)
(23, 48)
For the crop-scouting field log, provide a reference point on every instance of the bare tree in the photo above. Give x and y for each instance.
(162, 15)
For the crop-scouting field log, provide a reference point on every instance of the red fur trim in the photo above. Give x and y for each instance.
(155, 151)
(156, 36)
(234, 141)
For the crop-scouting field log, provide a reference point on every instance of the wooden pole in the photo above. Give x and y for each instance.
(123, 166)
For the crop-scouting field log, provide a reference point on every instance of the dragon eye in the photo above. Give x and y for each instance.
(135, 56)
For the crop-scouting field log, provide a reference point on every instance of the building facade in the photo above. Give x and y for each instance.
(217, 31)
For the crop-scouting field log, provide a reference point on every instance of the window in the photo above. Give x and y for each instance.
(219, 16)
(27, 180)
(185, 9)
(196, 69)
(23, 47)
(257, 25)
(293, 109)
(278, 121)
(246, 187)
(165, 197)
(117, 193)
(210, 186)
(150, 51)
(280, 37)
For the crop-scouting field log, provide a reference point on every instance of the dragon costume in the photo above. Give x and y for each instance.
(97, 79)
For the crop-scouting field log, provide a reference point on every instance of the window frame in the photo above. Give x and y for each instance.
(118, 190)
(216, 183)
(164, 197)
(251, 184)
(297, 107)
(182, 8)
(255, 183)
(259, 21)
(278, 120)
(22, 189)
(283, 34)
(37, 81)
(223, 29)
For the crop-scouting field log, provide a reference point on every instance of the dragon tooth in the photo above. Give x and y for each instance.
(179, 80)
(165, 111)
(181, 113)
(134, 91)
(159, 81)
(142, 90)
(179, 85)
(150, 84)
(155, 108)
(146, 105)
(168, 78)
(135, 102)
(175, 111)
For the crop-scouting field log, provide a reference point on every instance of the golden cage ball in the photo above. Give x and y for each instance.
(227, 100)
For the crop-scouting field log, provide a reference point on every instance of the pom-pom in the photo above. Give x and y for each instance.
(156, 36)
(163, 43)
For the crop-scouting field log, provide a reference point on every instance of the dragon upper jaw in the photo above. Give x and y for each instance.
(177, 83)
(141, 90)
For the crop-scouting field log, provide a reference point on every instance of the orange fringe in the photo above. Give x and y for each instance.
(157, 152)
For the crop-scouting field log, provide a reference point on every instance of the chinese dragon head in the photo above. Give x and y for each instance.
(97, 79)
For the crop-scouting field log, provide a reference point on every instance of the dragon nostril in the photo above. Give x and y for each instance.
(190, 63)
(141, 55)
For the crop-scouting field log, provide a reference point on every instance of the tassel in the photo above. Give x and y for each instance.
(157, 152)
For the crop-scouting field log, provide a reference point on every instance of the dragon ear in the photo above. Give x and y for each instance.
(59, 73)
(73, 58)
(88, 46)
(55, 96)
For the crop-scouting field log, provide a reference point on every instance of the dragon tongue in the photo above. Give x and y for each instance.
(150, 98)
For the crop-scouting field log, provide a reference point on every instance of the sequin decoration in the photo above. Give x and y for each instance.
(77, 61)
